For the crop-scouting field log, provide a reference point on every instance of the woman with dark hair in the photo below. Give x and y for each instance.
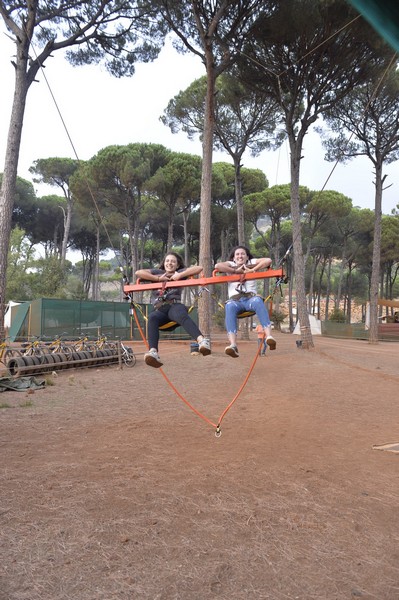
(168, 306)
(244, 296)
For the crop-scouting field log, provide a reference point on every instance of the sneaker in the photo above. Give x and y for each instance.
(152, 359)
(205, 347)
(231, 351)
(271, 342)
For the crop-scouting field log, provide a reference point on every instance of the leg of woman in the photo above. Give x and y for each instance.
(232, 308)
(178, 312)
(155, 320)
(257, 304)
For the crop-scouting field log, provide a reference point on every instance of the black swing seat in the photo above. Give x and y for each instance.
(172, 325)
(245, 314)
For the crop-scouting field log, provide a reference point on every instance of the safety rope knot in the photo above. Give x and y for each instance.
(201, 290)
(241, 287)
(163, 292)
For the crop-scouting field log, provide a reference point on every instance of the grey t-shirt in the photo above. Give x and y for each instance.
(169, 293)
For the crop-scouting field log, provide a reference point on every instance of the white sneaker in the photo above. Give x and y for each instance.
(205, 347)
(232, 351)
(152, 359)
(271, 342)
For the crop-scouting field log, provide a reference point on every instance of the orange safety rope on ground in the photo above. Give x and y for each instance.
(225, 411)
(167, 378)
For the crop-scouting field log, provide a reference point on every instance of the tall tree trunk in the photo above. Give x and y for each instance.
(205, 257)
(239, 202)
(7, 192)
(96, 270)
(245, 328)
(136, 233)
(375, 271)
(170, 227)
(186, 295)
(341, 275)
(186, 215)
(67, 228)
(87, 275)
(290, 303)
(224, 243)
(323, 268)
(328, 290)
(313, 267)
(25, 73)
(349, 295)
(306, 333)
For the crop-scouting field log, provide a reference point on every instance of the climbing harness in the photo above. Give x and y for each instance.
(241, 292)
(163, 299)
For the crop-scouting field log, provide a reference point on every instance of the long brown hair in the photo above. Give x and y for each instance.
(180, 262)
(247, 250)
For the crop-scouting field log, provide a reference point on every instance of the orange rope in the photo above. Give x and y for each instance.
(217, 426)
(242, 386)
(139, 326)
(168, 380)
(186, 401)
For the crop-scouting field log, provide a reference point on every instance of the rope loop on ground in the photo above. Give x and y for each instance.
(218, 432)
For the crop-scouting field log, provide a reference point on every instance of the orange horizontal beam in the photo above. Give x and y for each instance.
(201, 281)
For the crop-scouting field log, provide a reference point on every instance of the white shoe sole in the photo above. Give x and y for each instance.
(231, 352)
(205, 351)
(151, 361)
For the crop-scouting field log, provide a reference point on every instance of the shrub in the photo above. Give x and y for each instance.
(277, 317)
(337, 316)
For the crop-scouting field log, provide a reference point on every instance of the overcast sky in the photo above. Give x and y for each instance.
(99, 110)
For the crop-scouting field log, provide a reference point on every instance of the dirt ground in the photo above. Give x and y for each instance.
(112, 488)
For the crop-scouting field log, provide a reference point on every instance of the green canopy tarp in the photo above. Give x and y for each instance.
(20, 384)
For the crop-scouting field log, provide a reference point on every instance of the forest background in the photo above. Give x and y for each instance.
(163, 212)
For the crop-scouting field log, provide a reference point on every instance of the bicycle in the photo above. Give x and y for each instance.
(58, 346)
(33, 348)
(102, 343)
(7, 353)
(83, 345)
(127, 355)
